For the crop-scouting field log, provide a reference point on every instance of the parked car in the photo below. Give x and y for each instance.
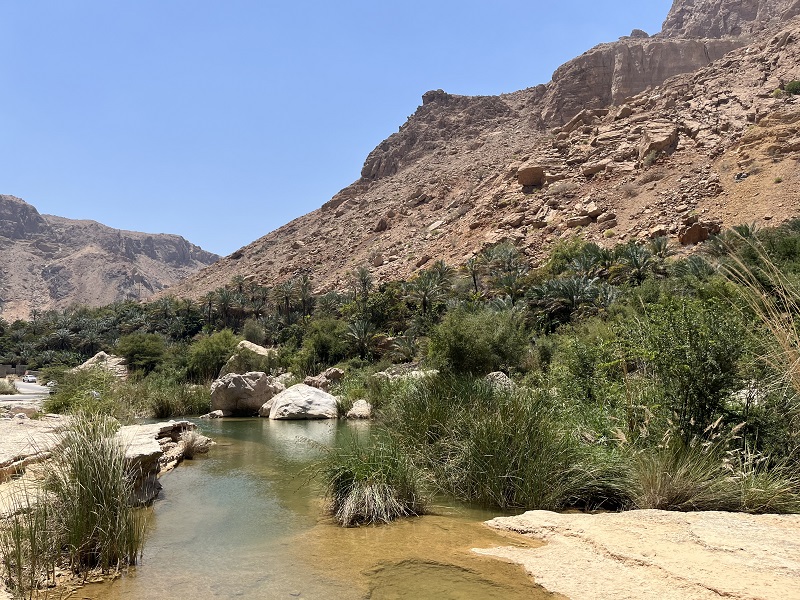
(29, 379)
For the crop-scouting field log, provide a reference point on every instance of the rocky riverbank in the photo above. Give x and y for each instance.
(659, 554)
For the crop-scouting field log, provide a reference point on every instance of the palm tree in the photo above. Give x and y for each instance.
(661, 250)
(634, 263)
(285, 294)
(361, 280)
(474, 267)
(224, 301)
(361, 332)
(425, 290)
(208, 307)
(305, 293)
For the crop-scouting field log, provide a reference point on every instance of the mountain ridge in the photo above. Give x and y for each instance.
(456, 176)
(51, 262)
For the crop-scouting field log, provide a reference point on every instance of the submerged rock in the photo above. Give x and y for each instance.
(303, 402)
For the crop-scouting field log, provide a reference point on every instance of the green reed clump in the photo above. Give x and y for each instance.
(706, 476)
(503, 448)
(371, 484)
(90, 487)
(80, 517)
(28, 545)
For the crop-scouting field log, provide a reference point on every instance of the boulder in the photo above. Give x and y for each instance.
(153, 449)
(243, 395)
(500, 381)
(303, 402)
(361, 410)
(113, 364)
(581, 221)
(530, 174)
(249, 357)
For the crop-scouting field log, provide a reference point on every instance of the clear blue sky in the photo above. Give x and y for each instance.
(222, 120)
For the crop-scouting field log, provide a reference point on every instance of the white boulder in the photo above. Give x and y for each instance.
(243, 395)
(303, 402)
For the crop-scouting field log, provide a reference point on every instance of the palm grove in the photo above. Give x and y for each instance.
(637, 378)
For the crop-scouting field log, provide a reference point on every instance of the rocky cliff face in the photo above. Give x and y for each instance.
(646, 136)
(52, 262)
(726, 18)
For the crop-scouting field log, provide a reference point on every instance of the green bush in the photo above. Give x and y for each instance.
(208, 355)
(478, 342)
(692, 351)
(793, 87)
(142, 351)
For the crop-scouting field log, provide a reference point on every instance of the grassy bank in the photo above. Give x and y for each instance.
(79, 518)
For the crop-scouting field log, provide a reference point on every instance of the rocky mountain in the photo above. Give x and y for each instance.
(52, 262)
(674, 134)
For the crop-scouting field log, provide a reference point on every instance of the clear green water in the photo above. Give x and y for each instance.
(245, 522)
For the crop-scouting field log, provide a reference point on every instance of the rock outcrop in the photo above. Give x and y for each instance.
(243, 395)
(625, 143)
(153, 449)
(726, 18)
(111, 363)
(658, 554)
(361, 409)
(303, 402)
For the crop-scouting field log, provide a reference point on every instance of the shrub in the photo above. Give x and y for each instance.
(371, 484)
(793, 87)
(208, 355)
(693, 350)
(503, 448)
(142, 351)
(7, 387)
(478, 342)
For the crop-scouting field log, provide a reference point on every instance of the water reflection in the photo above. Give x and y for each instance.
(244, 523)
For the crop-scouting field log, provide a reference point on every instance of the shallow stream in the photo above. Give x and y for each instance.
(245, 522)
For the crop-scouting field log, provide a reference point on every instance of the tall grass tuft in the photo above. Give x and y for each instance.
(80, 516)
(503, 448)
(28, 545)
(89, 486)
(704, 476)
(371, 484)
(7, 387)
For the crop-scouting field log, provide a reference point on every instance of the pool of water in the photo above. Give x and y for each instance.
(246, 522)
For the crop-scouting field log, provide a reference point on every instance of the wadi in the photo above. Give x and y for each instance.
(545, 346)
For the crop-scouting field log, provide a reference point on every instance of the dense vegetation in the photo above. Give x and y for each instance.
(638, 378)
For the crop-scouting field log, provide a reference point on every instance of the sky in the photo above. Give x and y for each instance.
(223, 120)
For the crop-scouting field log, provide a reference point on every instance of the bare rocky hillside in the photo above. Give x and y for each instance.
(52, 262)
(674, 134)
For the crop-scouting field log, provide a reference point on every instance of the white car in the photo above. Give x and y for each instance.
(29, 379)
